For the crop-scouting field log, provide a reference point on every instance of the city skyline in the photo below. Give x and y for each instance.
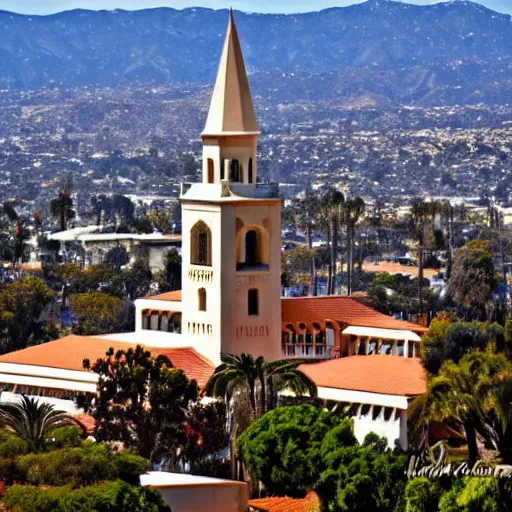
(264, 6)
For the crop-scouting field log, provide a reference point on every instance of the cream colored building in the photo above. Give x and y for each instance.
(231, 228)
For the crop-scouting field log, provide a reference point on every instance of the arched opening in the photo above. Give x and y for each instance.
(154, 321)
(253, 302)
(175, 323)
(201, 296)
(234, 170)
(145, 319)
(200, 244)
(210, 170)
(251, 247)
(251, 172)
(164, 323)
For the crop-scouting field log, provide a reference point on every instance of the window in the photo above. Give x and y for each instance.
(201, 244)
(145, 320)
(251, 172)
(164, 323)
(234, 171)
(201, 295)
(253, 299)
(251, 247)
(154, 322)
(210, 170)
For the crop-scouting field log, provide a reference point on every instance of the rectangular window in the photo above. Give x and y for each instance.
(252, 300)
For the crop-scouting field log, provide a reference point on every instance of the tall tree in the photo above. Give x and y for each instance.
(143, 402)
(353, 210)
(473, 279)
(62, 209)
(170, 278)
(331, 207)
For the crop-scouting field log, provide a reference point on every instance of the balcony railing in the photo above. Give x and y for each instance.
(259, 190)
(306, 351)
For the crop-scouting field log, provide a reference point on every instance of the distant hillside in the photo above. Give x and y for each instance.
(389, 51)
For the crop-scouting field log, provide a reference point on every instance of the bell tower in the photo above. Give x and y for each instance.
(231, 228)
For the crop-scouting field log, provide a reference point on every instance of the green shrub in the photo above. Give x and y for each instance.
(20, 498)
(66, 437)
(422, 495)
(282, 448)
(473, 494)
(81, 466)
(111, 497)
(13, 446)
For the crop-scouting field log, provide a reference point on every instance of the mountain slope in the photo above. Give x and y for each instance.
(462, 43)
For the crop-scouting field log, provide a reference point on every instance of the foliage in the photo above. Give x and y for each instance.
(110, 497)
(62, 209)
(283, 448)
(138, 279)
(261, 379)
(143, 402)
(94, 278)
(361, 478)
(21, 305)
(117, 257)
(472, 494)
(422, 495)
(452, 340)
(473, 278)
(65, 437)
(80, 466)
(161, 220)
(32, 421)
(13, 446)
(474, 395)
(97, 312)
(170, 278)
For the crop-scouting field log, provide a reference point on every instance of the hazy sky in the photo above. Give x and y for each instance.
(52, 6)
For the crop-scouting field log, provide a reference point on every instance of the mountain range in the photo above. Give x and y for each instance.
(390, 52)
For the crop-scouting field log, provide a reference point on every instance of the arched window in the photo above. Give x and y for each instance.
(154, 322)
(201, 296)
(210, 170)
(200, 244)
(164, 323)
(251, 172)
(145, 319)
(234, 171)
(253, 302)
(251, 247)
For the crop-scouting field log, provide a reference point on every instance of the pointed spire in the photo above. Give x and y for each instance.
(231, 108)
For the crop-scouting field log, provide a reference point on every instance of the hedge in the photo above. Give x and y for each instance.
(111, 497)
(85, 465)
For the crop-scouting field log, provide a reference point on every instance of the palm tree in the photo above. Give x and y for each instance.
(245, 375)
(331, 204)
(466, 394)
(33, 421)
(20, 232)
(62, 209)
(353, 210)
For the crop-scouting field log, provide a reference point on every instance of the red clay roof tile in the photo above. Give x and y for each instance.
(386, 374)
(311, 503)
(69, 352)
(338, 308)
(174, 296)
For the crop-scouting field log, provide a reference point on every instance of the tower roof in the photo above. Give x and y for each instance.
(231, 109)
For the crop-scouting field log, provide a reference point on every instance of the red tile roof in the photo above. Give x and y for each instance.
(379, 373)
(69, 352)
(87, 421)
(311, 503)
(338, 308)
(174, 296)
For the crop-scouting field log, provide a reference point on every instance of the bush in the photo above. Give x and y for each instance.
(282, 449)
(111, 497)
(13, 446)
(422, 495)
(473, 494)
(66, 437)
(85, 465)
